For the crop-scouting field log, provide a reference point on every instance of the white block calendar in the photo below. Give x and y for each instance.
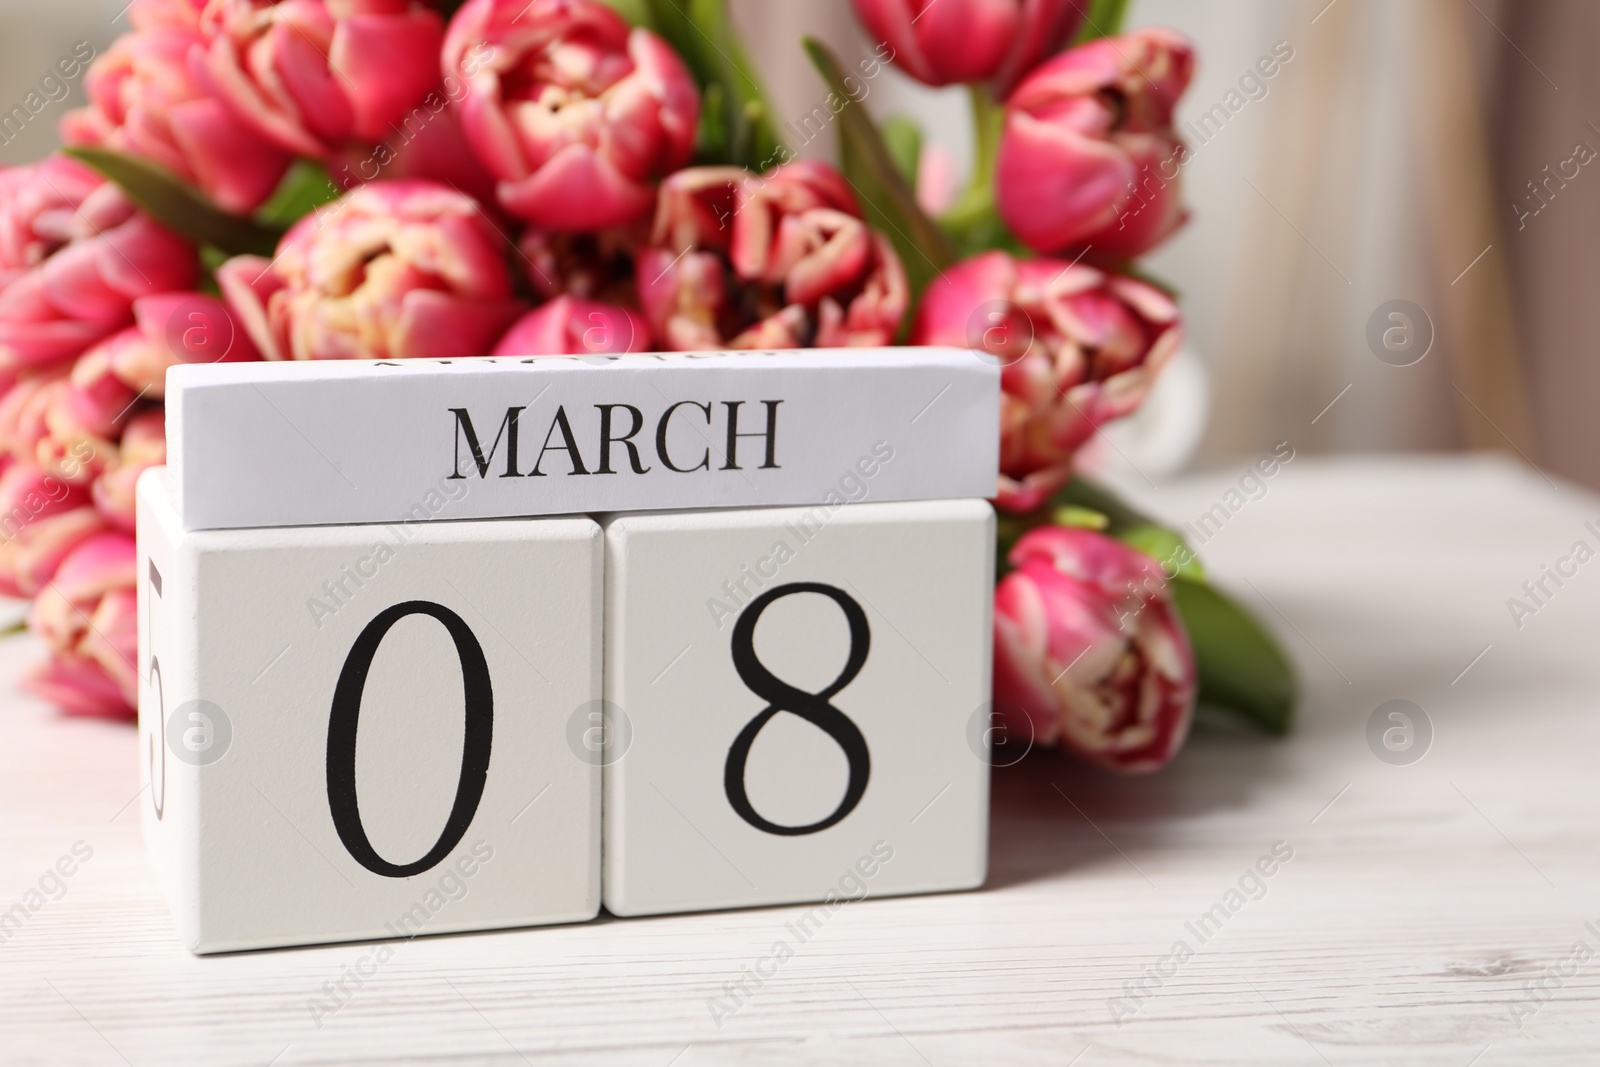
(292, 443)
(444, 645)
(354, 732)
(793, 691)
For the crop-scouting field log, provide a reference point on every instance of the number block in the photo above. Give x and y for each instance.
(355, 732)
(798, 704)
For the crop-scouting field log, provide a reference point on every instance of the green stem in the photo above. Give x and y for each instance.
(970, 217)
(988, 118)
(1103, 20)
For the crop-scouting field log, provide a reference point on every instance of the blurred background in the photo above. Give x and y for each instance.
(1434, 152)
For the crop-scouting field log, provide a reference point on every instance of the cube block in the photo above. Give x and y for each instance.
(792, 692)
(353, 732)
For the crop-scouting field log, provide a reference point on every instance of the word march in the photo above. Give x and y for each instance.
(559, 437)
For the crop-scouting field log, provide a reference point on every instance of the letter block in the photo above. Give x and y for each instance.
(355, 732)
(798, 703)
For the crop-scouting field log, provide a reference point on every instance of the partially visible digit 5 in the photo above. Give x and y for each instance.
(158, 724)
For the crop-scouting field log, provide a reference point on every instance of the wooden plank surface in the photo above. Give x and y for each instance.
(1418, 905)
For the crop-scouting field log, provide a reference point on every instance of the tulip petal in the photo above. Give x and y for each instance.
(247, 284)
(78, 686)
(236, 167)
(436, 325)
(577, 189)
(388, 63)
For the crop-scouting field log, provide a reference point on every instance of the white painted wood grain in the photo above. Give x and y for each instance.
(1416, 906)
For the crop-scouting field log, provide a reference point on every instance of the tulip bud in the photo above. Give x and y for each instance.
(170, 329)
(1089, 157)
(38, 211)
(576, 115)
(393, 270)
(74, 256)
(42, 519)
(1078, 347)
(942, 42)
(88, 616)
(1090, 649)
(143, 445)
(312, 76)
(147, 98)
(775, 261)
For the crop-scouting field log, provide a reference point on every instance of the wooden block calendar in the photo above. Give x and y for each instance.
(405, 671)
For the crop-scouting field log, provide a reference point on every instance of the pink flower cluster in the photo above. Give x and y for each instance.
(1089, 654)
(92, 299)
(520, 179)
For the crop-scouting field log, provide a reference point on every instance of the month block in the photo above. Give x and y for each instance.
(299, 442)
(797, 701)
(355, 732)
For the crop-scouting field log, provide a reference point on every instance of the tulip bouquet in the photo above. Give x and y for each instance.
(393, 179)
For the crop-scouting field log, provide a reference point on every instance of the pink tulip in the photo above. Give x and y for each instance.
(1089, 157)
(571, 326)
(22, 412)
(78, 686)
(778, 261)
(47, 424)
(39, 211)
(942, 42)
(146, 98)
(1078, 348)
(70, 426)
(393, 270)
(428, 146)
(169, 329)
(1090, 651)
(88, 616)
(74, 256)
(143, 445)
(42, 519)
(100, 425)
(573, 112)
(312, 76)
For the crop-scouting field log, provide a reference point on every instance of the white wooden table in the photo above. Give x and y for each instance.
(1420, 902)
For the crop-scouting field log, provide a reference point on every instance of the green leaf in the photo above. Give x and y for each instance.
(886, 198)
(1165, 546)
(903, 138)
(1103, 20)
(305, 188)
(1085, 494)
(177, 205)
(736, 119)
(1241, 667)
(637, 12)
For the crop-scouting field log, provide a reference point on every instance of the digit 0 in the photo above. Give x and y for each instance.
(345, 716)
(812, 707)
